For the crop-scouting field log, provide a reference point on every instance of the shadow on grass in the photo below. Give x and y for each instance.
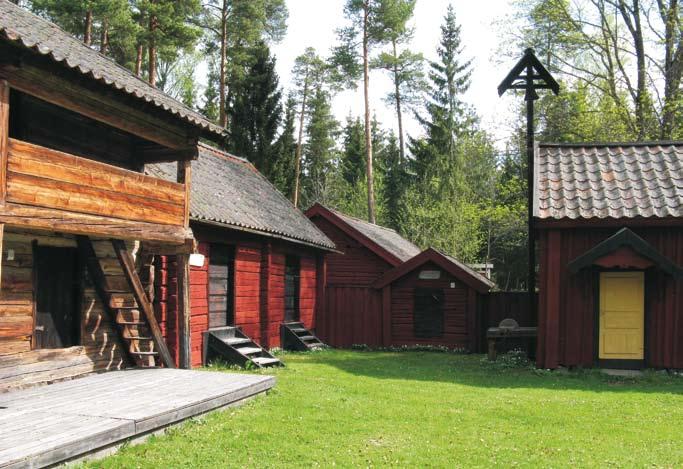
(474, 370)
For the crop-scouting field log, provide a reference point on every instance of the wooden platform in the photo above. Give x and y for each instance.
(51, 424)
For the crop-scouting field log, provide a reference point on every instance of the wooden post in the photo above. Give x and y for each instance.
(492, 350)
(4, 138)
(183, 274)
(264, 293)
(320, 296)
(386, 316)
(184, 328)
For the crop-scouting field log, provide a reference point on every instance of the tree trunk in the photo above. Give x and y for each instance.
(368, 128)
(631, 17)
(104, 37)
(222, 81)
(399, 112)
(299, 144)
(152, 52)
(138, 60)
(87, 33)
(673, 65)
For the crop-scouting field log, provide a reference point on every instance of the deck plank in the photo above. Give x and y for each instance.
(58, 422)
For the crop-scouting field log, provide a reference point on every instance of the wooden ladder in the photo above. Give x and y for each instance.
(295, 336)
(112, 269)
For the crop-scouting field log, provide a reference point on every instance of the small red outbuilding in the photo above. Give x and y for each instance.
(609, 220)
(382, 291)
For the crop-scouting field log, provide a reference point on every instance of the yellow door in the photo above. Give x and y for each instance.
(622, 315)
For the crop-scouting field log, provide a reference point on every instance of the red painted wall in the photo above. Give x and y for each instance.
(352, 312)
(459, 310)
(567, 308)
(259, 290)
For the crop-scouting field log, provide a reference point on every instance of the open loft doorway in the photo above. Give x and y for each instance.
(57, 279)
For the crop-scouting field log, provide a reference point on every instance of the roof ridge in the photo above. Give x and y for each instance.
(653, 143)
(368, 223)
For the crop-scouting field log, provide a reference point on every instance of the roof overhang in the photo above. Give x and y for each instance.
(469, 278)
(625, 250)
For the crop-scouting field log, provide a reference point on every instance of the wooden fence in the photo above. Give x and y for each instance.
(497, 306)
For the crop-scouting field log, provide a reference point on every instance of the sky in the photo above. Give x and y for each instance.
(313, 23)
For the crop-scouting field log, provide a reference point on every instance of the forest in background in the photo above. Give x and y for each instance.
(620, 63)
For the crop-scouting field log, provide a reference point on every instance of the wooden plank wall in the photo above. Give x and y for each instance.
(566, 318)
(47, 178)
(456, 309)
(353, 309)
(251, 289)
(99, 348)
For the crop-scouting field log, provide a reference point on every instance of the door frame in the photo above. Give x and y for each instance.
(612, 363)
(79, 292)
(232, 285)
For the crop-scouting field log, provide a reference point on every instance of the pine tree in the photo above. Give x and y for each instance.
(256, 113)
(353, 150)
(395, 181)
(285, 154)
(320, 150)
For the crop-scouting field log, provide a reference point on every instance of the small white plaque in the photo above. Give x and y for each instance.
(430, 275)
(197, 260)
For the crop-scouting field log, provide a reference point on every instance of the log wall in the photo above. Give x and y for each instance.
(99, 349)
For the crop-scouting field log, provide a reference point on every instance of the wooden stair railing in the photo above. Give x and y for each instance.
(142, 300)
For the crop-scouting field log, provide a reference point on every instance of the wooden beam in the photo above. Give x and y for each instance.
(185, 177)
(42, 82)
(128, 267)
(4, 138)
(91, 225)
(386, 316)
(184, 313)
(158, 154)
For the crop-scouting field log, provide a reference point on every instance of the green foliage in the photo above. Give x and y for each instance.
(319, 152)
(255, 116)
(285, 153)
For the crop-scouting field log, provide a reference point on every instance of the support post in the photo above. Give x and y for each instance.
(183, 273)
(530, 97)
(4, 138)
(184, 328)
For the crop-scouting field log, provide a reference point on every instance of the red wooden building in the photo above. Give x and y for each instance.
(380, 290)
(610, 230)
(262, 261)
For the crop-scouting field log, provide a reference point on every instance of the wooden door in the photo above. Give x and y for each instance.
(622, 316)
(428, 320)
(292, 286)
(221, 286)
(57, 323)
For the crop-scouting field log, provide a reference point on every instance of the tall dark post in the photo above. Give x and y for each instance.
(530, 75)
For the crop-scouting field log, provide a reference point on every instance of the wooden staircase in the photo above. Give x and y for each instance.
(295, 336)
(235, 347)
(112, 271)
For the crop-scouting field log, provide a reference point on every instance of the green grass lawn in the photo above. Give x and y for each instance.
(354, 408)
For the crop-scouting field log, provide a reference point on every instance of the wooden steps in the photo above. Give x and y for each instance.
(111, 284)
(233, 346)
(296, 337)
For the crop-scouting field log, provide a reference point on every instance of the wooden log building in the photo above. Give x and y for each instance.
(610, 230)
(264, 260)
(381, 290)
(78, 216)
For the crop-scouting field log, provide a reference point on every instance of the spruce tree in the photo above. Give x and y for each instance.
(285, 153)
(255, 116)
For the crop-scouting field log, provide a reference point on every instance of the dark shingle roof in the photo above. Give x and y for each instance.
(480, 277)
(229, 191)
(609, 181)
(385, 237)
(32, 32)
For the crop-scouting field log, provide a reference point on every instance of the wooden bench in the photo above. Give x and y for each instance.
(507, 329)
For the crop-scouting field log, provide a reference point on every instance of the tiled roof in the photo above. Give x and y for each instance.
(609, 181)
(384, 237)
(32, 32)
(229, 191)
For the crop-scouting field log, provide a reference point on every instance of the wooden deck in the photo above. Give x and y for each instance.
(51, 424)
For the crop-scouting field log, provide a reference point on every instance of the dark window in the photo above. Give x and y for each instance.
(221, 285)
(57, 323)
(428, 313)
(292, 268)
